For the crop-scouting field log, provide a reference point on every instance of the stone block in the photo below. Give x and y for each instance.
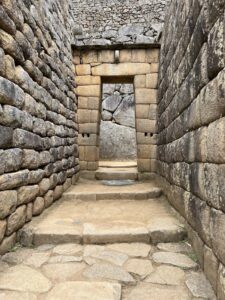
(147, 126)
(148, 139)
(9, 65)
(146, 96)
(91, 153)
(38, 206)
(10, 93)
(8, 202)
(11, 160)
(29, 213)
(152, 55)
(142, 111)
(83, 70)
(211, 266)
(27, 193)
(13, 180)
(6, 137)
(90, 57)
(7, 243)
(88, 80)
(44, 186)
(221, 283)
(106, 56)
(152, 81)
(6, 23)
(146, 151)
(89, 128)
(16, 220)
(217, 226)
(48, 199)
(125, 55)
(154, 68)
(138, 55)
(122, 69)
(140, 81)
(2, 229)
(216, 141)
(216, 48)
(26, 139)
(88, 91)
(144, 165)
(10, 46)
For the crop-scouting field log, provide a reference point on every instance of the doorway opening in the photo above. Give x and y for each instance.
(118, 144)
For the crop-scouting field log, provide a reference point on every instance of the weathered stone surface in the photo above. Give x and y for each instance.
(110, 256)
(63, 272)
(175, 259)
(116, 138)
(199, 286)
(8, 202)
(16, 220)
(133, 249)
(166, 275)
(27, 194)
(68, 249)
(141, 267)
(107, 271)
(106, 115)
(175, 247)
(221, 283)
(2, 229)
(111, 103)
(85, 291)
(154, 292)
(125, 113)
(7, 243)
(24, 279)
(64, 259)
(123, 69)
(36, 260)
(6, 137)
(38, 206)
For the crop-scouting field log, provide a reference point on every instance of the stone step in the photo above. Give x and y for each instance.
(116, 174)
(117, 164)
(100, 222)
(97, 190)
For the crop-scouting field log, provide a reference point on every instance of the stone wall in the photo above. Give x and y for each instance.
(117, 128)
(38, 131)
(111, 22)
(99, 66)
(191, 124)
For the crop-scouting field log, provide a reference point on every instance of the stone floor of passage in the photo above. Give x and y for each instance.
(120, 271)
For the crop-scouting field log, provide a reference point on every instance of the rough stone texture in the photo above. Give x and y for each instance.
(178, 260)
(191, 97)
(118, 22)
(37, 106)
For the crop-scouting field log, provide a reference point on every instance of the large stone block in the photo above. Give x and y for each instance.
(31, 159)
(146, 151)
(148, 139)
(88, 80)
(26, 139)
(27, 193)
(147, 126)
(16, 220)
(122, 69)
(140, 81)
(125, 55)
(2, 229)
(90, 57)
(10, 93)
(6, 137)
(211, 265)
(89, 128)
(10, 46)
(13, 180)
(83, 69)
(11, 160)
(88, 91)
(221, 283)
(152, 55)
(138, 55)
(144, 165)
(7, 243)
(152, 81)
(8, 202)
(146, 96)
(106, 56)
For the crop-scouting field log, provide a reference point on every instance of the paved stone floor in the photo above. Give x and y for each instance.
(134, 271)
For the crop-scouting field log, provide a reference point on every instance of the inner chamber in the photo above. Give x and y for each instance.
(117, 126)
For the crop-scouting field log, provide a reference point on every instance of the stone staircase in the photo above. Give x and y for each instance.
(92, 212)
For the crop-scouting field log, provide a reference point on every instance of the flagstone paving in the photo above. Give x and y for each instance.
(126, 271)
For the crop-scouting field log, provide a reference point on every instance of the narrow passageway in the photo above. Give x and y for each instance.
(105, 240)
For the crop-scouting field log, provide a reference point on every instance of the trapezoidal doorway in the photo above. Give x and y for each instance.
(93, 70)
(117, 139)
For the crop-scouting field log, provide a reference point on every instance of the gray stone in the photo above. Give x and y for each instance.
(111, 256)
(119, 144)
(27, 193)
(11, 159)
(16, 220)
(10, 93)
(112, 102)
(131, 29)
(142, 39)
(2, 229)
(85, 291)
(110, 272)
(175, 247)
(7, 243)
(68, 249)
(38, 206)
(199, 286)
(175, 259)
(125, 113)
(8, 202)
(6, 137)
(106, 115)
(13, 180)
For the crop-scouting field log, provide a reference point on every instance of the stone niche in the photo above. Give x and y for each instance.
(93, 69)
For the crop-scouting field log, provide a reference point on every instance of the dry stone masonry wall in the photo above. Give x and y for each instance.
(92, 69)
(191, 124)
(117, 128)
(38, 131)
(109, 22)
